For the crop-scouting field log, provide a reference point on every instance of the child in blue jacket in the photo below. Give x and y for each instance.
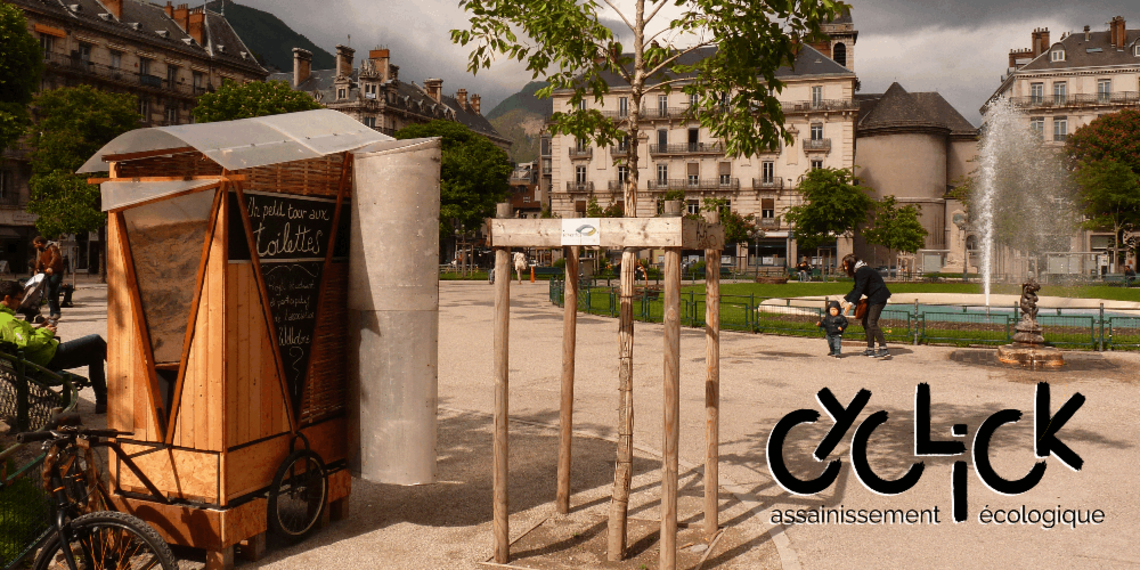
(834, 324)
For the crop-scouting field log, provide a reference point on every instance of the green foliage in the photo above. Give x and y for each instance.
(673, 194)
(737, 228)
(255, 99)
(738, 49)
(473, 174)
(72, 124)
(594, 210)
(525, 100)
(25, 506)
(1111, 138)
(833, 204)
(21, 63)
(897, 229)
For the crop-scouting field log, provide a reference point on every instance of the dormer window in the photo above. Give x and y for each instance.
(342, 93)
(1057, 55)
(1136, 50)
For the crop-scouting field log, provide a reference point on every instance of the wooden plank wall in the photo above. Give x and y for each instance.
(200, 422)
(255, 406)
(128, 401)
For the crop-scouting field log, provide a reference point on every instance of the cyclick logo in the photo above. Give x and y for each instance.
(1046, 442)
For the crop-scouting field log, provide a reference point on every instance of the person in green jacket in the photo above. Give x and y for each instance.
(41, 347)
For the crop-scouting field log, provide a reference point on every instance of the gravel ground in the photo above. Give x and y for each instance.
(447, 524)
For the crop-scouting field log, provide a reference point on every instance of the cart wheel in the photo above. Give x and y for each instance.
(298, 495)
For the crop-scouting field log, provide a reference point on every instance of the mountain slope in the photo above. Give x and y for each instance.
(523, 128)
(270, 39)
(525, 100)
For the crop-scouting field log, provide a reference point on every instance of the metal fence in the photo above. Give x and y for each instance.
(25, 511)
(955, 325)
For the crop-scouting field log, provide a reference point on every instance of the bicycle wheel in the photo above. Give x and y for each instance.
(298, 495)
(108, 540)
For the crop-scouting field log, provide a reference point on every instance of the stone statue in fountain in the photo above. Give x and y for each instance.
(1028, 348)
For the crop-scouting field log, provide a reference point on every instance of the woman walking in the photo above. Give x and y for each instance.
(868, 283)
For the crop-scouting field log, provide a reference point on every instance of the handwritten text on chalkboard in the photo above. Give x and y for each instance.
(289, 227)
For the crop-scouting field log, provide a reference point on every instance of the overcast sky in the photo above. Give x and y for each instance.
(956, 47)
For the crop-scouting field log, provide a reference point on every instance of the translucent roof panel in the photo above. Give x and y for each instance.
(247, 143)
(118, 194)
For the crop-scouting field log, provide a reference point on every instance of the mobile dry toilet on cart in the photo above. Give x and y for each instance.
(231, 357)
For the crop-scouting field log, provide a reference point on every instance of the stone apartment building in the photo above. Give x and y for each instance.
(165, 55)
(374, 94)
(1064, 85)
(676, 153)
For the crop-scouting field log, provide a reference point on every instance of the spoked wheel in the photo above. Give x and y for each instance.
(298, 495)
(108, 541)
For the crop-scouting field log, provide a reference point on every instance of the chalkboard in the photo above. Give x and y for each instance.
(291, 237)
(293, 288)
(284, 227)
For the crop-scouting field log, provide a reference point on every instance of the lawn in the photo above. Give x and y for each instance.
(843, 287)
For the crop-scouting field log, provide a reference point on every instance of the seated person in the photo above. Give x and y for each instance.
(41, 347)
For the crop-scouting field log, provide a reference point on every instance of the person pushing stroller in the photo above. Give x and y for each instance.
(833, 323)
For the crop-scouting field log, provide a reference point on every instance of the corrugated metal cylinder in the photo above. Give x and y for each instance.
(393, 305)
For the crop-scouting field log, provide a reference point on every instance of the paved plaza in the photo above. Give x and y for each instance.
(448, 524)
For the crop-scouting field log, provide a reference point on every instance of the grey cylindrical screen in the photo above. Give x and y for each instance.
(393, 304)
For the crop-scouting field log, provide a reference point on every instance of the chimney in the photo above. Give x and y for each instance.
(475, 104)
(394, 71)
(182, 17)
(434, 88)
(1088, 34)
(1118, 33)
(380, 59)
(461, 96)
(1040, 43)
(115, 7)
(169, 9)
(344, 61)
(302, 65)
(197, 25)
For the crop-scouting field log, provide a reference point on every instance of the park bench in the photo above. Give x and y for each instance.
(30, 394)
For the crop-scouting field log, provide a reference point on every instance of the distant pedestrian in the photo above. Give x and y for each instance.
(49, 261)
(804, 269)
(868, 283)
(833, 323)
(1129, 275)
(520, 264)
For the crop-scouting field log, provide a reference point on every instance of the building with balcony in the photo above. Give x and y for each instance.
(677, 154)
(164, 55)
(525, 197)
(1064, 85)
(374, 94)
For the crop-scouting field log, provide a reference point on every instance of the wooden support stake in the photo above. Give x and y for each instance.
(672, 428)
(566, 410)
(712, 391)
(623, 467)
(502, 397)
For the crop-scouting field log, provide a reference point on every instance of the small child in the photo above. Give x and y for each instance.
(834, 323)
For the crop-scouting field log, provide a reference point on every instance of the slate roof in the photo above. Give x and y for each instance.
(809, 63)
(154, 27)
(898, 109)
(1077, 52)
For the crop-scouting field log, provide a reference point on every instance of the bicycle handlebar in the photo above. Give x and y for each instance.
(34, 436)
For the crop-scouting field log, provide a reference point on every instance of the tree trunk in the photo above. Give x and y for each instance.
(623, 467)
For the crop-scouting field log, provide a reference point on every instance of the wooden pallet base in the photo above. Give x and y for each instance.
(219, 531)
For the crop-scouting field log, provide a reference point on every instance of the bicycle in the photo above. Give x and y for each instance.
(88, 536)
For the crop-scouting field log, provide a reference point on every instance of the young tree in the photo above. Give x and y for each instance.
(595, 210)
(21, 63)
(724, 52)
(897, 229)
(254, 99)
(473, 174)
(72, 124)
(833, 205)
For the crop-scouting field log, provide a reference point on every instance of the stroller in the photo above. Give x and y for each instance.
(34, 292)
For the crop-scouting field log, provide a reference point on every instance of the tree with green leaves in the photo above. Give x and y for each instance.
(896, 228)
(737, 228)
(21, 63)
(71, 125)
(725, 53)
(1105, 158)
(473, 175)
(595, 210)
(254, 99)
(834, 204)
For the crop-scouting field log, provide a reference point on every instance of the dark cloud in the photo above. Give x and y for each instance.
(955, 47)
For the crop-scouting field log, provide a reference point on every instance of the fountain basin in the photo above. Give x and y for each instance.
(1030, 355)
